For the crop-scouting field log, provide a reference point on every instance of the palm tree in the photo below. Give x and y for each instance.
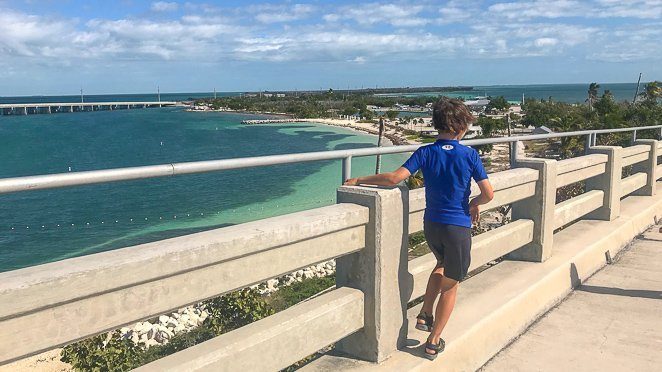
(652, 92)
(592, 94)
(379, 144)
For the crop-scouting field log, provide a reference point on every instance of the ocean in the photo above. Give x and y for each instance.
(49, 225)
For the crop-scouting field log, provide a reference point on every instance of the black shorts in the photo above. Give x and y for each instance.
(451, 245)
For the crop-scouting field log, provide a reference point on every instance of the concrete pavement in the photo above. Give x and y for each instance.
(613, 322)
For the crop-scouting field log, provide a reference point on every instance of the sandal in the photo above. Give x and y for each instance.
(437, 348)
(428, 321)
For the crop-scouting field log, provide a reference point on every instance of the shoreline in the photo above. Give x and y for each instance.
(390, 134)
(393, 137)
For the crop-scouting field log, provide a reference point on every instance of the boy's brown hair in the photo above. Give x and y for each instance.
(451, 115)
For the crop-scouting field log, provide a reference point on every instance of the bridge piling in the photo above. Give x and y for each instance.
(380, 271)
(539, 209)
(649, 166)
(609, 182)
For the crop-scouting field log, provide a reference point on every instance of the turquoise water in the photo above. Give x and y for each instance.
(49, 225)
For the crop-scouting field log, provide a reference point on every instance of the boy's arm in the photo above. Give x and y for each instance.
(382, 179)
(486, 195)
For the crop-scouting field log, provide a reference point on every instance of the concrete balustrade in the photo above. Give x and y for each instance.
(539, 209)
(633, 183)
(635, 154)
(578, 169)
(609, 183)
(648, 166)
(275, 342)
(50, 305)
(577, 207)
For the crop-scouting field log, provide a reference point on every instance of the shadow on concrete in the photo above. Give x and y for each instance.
(642, 293)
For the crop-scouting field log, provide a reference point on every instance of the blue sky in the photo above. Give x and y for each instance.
(130, 46)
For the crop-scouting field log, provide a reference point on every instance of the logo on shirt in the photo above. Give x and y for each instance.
(447, 147)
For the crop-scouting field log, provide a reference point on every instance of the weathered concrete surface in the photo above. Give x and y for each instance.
(581, 162)
(273, 343)
(609, 182)
(539, 209)
(610, 323)
(379, 271)
(649, 166)
(633, 183)
(499, 304)
(574, 208)
(49, 305)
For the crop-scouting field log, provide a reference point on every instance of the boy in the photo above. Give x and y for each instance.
(448, 168)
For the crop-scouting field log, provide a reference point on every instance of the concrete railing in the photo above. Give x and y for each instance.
(50, 305)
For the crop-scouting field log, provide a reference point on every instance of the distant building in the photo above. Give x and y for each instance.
(542, 130)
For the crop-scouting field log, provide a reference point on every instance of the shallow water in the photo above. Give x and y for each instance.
(48, 225)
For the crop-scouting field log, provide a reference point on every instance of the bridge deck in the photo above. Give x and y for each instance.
(610, 323)
(86, 104)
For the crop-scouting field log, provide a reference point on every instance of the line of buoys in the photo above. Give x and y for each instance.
(248, 209)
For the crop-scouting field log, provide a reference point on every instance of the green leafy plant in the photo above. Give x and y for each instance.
(104, 352)
(111, 352)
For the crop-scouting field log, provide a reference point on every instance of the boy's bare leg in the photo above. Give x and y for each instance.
(432, 290)
(444, 309)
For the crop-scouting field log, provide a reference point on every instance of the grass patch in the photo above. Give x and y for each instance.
(297, 292)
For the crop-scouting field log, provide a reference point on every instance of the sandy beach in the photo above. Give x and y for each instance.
(391, 134)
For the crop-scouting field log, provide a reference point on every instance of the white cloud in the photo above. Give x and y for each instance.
(164, 6)
(277, 13)
(398, 15)
(545, 42)
(643, 9)
(358, 34)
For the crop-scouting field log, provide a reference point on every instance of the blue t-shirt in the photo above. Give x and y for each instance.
(448, 168)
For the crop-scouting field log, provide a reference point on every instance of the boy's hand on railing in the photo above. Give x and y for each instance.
(352, 182)
(474, 211)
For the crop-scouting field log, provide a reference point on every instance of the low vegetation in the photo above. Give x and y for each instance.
(111, 352)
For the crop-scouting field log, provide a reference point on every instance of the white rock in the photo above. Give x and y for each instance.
(164, 319)
(176, 315)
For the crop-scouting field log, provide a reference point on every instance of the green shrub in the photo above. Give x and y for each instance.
(111, 352)
(104, 352)
(297, 292)
(236, 309)
(416, 239)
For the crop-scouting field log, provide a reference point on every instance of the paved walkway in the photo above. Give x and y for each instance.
(613, 322)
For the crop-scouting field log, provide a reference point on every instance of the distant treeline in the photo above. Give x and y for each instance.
(375, 90)
(315, 105)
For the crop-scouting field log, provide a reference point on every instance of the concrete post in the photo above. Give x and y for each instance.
(538, 208)
(380, 271)
(609, 182)
(648, 166)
